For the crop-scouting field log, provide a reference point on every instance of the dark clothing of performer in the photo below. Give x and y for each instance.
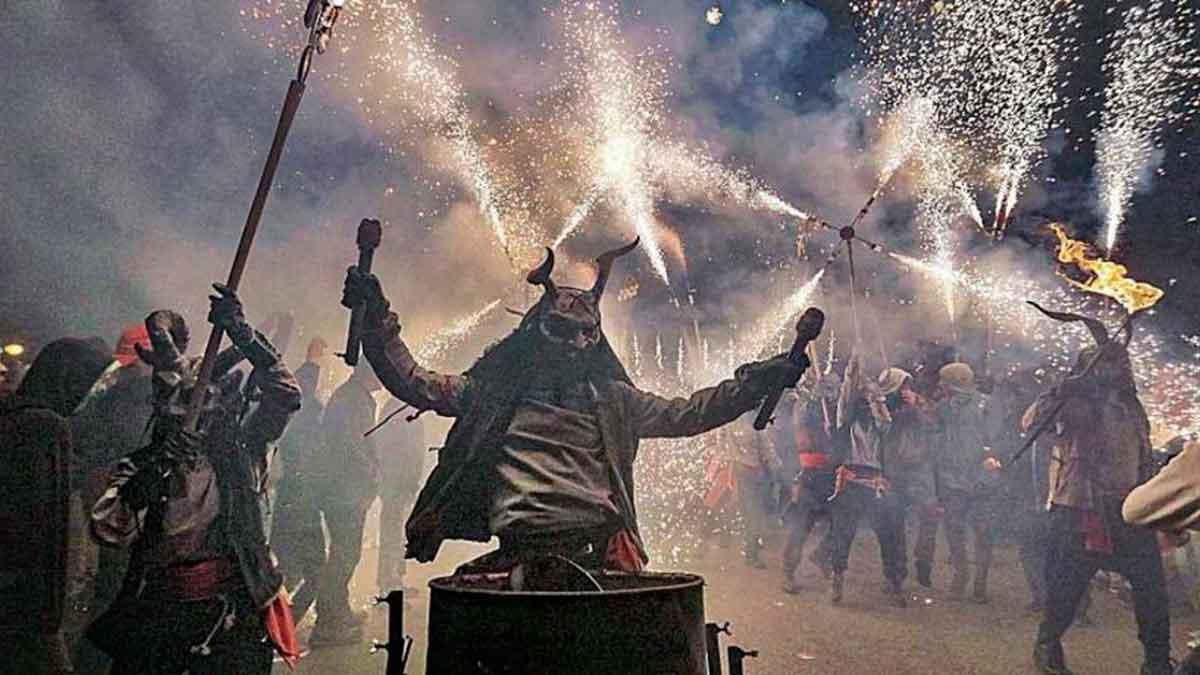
(35, 486)
(344, 489)
(862, 488)
(813, 486)
(402, 457)
(296, 533)
(962, 460)
(547, 430)
(1101, 452)
(202, 593)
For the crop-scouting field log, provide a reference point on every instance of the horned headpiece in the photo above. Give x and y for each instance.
(1115, 366)
(568, 314)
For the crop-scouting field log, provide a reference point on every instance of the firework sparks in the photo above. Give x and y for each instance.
(775, 322)
(625, 101)
(988, 70)
(713, 15)
(1150, 69)
(435, 347)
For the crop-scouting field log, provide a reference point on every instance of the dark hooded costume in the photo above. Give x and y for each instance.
(1102, 450)
(202, 592)
(547, 429)
(35, 483)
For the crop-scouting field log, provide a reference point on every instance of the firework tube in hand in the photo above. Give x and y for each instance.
(369, 235)
(807, 329)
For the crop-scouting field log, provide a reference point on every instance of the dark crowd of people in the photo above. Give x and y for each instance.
(144, 534)
(135, 545)
(908, 451)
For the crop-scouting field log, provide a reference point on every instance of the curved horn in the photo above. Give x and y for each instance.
(541, 275)
(1094, 326)
(605, 262)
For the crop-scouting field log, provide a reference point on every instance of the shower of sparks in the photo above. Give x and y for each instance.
(774, 323)
(906, 130)
(575, 220)
(942, 199)
(1153, 81)
(624, 98)
(988, 69)
(436, 346)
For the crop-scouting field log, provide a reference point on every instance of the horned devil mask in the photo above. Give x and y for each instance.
(571, 316)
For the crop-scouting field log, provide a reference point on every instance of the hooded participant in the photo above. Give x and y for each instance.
(547, 429)
(36, 453)
(202, 593)
(1101, 451)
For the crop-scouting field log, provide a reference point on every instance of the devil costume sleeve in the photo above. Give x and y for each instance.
(405, 379)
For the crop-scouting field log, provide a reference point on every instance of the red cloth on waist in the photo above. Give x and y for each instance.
(813, 460)
(623, 553)
(194, 581)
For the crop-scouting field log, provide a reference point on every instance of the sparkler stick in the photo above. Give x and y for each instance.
(319, 18)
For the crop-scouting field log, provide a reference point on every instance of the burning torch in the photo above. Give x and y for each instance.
(319, 18)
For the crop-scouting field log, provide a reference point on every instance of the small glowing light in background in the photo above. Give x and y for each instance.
(713, 15)
(14, 349)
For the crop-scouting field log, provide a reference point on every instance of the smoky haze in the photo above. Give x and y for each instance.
(136, 135)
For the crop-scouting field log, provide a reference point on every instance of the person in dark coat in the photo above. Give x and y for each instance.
(113, 424)
(344, 487)
(203, 593)
(35, 486)
(296, 533)
(548, 426)
(1100, 438)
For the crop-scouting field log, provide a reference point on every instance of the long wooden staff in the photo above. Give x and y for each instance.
(319, 19)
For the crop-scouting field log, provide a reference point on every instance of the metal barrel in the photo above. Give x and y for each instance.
(643, 623)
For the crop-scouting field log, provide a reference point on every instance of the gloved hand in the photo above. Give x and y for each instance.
(226, 313)
(365, 290)
(147, 486)
(774, 372)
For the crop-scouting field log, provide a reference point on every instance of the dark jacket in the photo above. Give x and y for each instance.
(239, 463)
(349, 463)
(35, 459)
(457, 498)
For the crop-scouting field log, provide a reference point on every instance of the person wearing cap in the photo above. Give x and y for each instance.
(909, 443)
(965, 462)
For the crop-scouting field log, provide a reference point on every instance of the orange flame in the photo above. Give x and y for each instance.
(1106, 277)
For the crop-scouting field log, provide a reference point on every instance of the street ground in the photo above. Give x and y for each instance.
(797, 634)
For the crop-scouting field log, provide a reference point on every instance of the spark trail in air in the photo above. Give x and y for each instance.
(989, 69)
(625, 100)
(435, 347)
(773, 323)
(1151, 69)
